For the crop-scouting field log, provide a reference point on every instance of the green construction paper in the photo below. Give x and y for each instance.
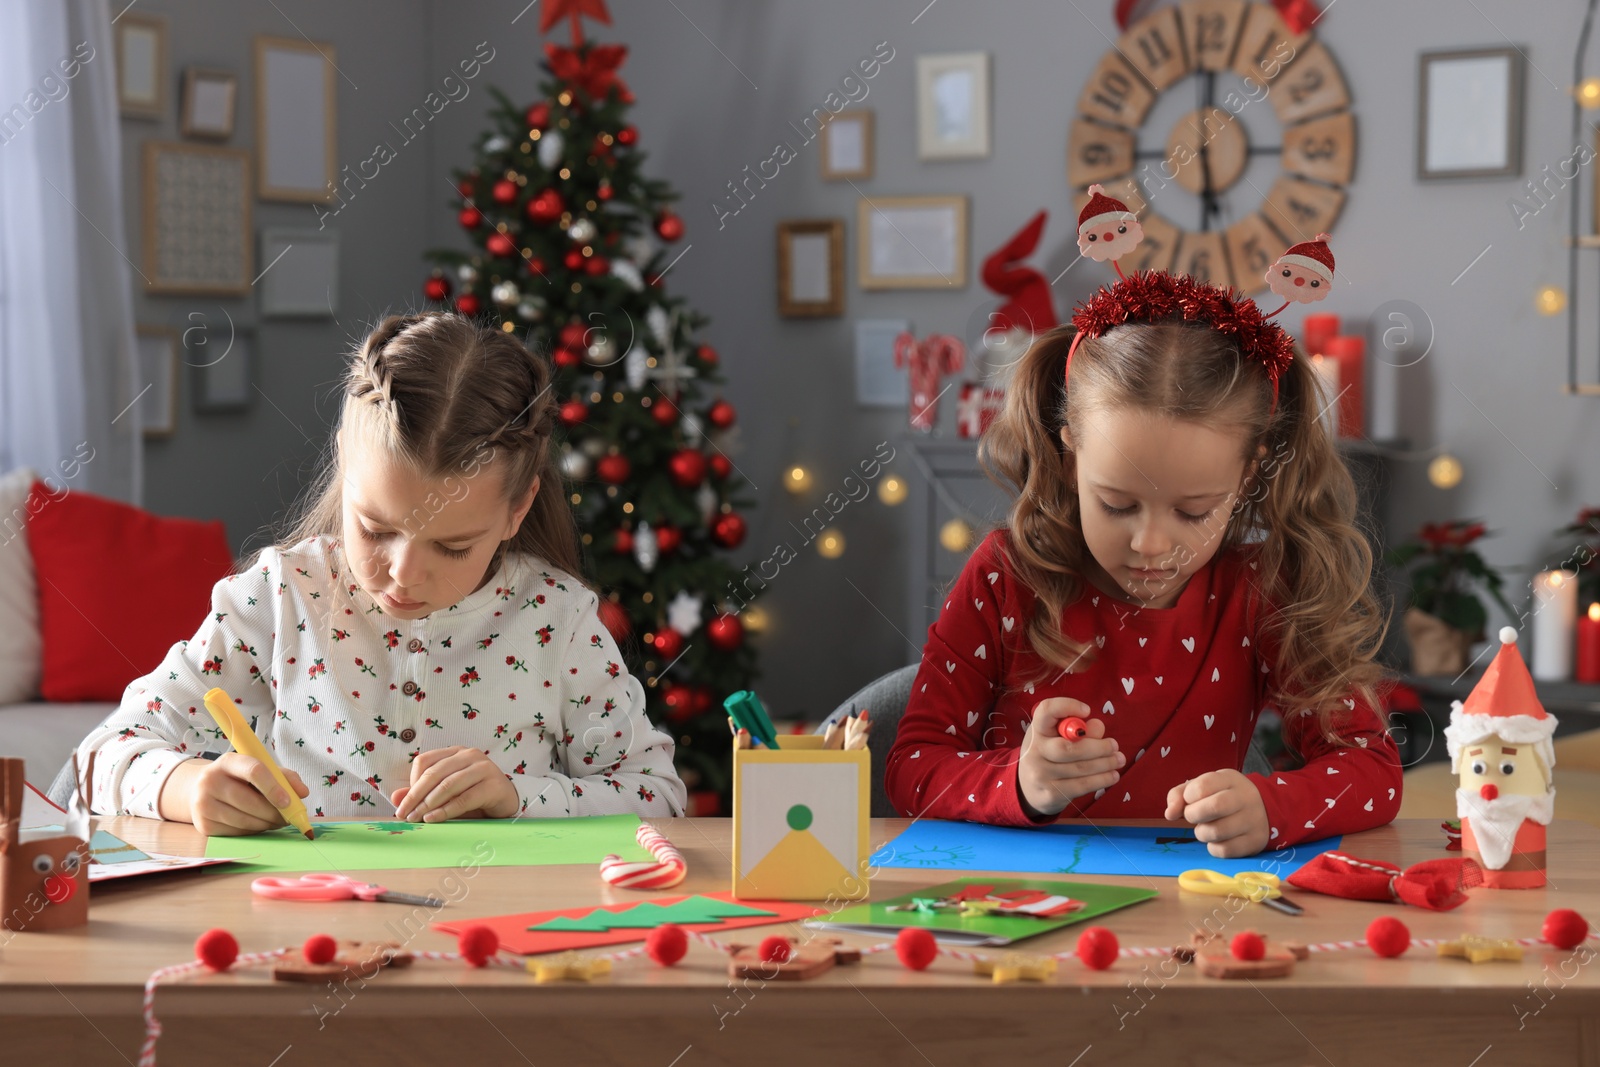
(648, 916)
(996, 929)
(387, 846)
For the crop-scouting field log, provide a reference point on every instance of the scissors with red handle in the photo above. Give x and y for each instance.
(316, 887)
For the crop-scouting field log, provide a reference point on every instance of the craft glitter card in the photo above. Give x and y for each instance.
(800, 821)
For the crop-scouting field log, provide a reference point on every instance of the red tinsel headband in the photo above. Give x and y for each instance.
(1155, 296)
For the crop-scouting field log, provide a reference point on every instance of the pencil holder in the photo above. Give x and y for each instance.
(800, 821)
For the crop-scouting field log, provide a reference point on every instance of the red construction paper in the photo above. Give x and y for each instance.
(515, 936)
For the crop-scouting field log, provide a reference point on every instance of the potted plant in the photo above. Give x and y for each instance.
(1584, 553)
(1444, 615)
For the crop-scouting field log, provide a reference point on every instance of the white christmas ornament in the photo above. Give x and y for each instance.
(594, 447)
(505, 294)
(601, 353)
(497, 143)
(467, 273)
(683, 614)
(629, 273)
(645, 551)
(640, 247)
(531, 309)
(707, 501)
(575, 465)
(634, 367)
(660, 325)
(691, 426)
(582, 230)
(550, 146)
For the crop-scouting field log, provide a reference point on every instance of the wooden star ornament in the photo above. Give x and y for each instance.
(1015, 967)
(1475, 949)
(568, 966)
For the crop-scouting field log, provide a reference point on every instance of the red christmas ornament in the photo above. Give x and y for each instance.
(476, 944)
(437, 288)
(775, 949)
(721, 466)
(537, 266)
(1097, 948)
(728, 529)
(668, 643)
(916, 948)
(605, 192)
(614, 469)
(538, 115)
(679, 699)
(1247, 945)
(615, 619)
(574, 412)
(702, 699)
(501, 245)
(464, 187)
(669, 226)
(546, 206)
(666, 944)
(627, 135)
(1564, 928)
(668, 538)
(722, 415)
(1388, 936)
(664, 411)
(565, 357)
(470, 218)
(573, 259)
(505, 191)
(623, 545)
(319, 948)
(707, 354)
(725, 632)
(468, 304)
(687, 468)
(572, 335)
(597, 265)
(217, 949)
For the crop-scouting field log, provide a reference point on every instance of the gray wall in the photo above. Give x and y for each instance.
(719, 83)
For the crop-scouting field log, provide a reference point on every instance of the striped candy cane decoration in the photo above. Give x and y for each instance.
(667, 869)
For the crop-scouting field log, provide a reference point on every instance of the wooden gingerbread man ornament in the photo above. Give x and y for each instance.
(804, 959)
(44, 880)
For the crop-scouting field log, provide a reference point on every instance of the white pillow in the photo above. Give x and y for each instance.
(21, 652)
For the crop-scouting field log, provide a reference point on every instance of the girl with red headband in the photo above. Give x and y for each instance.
(1181, 553)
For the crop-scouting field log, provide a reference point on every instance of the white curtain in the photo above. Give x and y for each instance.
(68, 366)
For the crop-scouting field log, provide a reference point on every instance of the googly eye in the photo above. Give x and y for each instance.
(1508, 768)
(43, 864)
(69, 864)
(1122, 229)
(1316, 284)
(1094, 237)
(1479, 767)
(1286, 272)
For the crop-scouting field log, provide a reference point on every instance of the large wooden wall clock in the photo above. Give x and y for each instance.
(1208, 148)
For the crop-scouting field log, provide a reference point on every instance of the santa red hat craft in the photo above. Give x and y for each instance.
(1503, 704)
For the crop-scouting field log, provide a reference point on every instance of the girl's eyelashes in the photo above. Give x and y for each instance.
(453, 553)
(1131, 508)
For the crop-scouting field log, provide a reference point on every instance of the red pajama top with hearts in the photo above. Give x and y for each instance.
(1179, 688)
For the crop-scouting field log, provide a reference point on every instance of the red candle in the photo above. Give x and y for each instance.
(1350, 353)
(1316, 331)
(1589, 646)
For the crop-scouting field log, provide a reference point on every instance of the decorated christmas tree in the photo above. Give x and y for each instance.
(571, 244)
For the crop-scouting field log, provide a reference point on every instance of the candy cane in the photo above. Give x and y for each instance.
(668, 868)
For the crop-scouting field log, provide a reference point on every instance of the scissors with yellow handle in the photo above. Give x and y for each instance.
(1257, 886)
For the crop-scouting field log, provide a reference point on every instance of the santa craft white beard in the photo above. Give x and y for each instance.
(1495, 822)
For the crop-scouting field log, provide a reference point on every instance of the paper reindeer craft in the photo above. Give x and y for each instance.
(44, 876)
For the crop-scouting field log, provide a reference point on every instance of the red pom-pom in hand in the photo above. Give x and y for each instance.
(217, 949)
(1388, 936)
(477, 943)
(775, 949)
(1565, 928)
(1247, 946)
(319, 948)
(1097, 948)
(916, 948)
(666, 944)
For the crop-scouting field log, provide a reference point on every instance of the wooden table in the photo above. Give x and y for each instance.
(74, 997)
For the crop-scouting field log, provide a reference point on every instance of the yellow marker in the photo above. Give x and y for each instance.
(246, 743)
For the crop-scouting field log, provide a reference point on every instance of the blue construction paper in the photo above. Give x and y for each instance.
(1154, 851)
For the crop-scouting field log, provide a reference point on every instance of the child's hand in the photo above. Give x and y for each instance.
(1226, 810)
(455, 783)
(231, 795)
(1054, 771)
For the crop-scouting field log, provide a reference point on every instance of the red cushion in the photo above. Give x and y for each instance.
(118, 587)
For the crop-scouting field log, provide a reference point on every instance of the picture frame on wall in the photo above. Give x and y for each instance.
(141, 48)
(226, 383)
(953, 105)
(296, 120)
(912, 242)
(299, 273)
(196, 219)
(811, 268)
(157, 385)
(1469, 113)
(208, 103)
(847, 146)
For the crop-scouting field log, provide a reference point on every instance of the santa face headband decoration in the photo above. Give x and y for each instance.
(1107, 230)
(1303, 274)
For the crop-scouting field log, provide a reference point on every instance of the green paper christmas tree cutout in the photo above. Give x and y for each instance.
(648, 916)
(392, 827)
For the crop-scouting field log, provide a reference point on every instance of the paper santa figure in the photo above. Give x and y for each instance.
(1303, 274)
(1107, 230)
(1499, 741)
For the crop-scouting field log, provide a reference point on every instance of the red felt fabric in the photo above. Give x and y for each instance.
(118, 587)
(1437, 885)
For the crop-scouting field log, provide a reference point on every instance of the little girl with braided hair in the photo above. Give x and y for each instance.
(420, 644)
(1181, 553)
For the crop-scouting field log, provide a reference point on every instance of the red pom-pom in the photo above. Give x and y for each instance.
(1097, 948)
(666, 944)
(217, 949)
(775, 949)
(1565, 928)
(477, 943)
(1247, 946)
(319, 948)
(1388, 936)
(916, 948)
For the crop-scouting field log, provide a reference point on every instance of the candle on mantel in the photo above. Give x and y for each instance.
(1555, 605)
(1351, 355)
(1316, 331)
(1589, 646)
(1328, 382)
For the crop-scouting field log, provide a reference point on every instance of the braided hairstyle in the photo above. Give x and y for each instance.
(448, 395)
